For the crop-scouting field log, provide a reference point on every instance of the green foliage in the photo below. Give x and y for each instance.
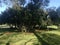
(29, 16)
(54, 15)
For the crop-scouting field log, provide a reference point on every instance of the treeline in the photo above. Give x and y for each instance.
(54, 15)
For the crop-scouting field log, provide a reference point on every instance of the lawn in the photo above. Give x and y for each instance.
(37, 38)
(15, 38)
(49, 37)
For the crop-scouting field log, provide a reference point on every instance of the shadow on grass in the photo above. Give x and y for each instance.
(48, 38)
(7, 43)
(8, 30)
(40, 40)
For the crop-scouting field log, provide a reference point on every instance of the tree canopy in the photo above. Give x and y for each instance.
(28, 15)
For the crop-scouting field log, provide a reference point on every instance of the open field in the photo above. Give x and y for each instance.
(18, 39)
(37, 38)
(49, 37)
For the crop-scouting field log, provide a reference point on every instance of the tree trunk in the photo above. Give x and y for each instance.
(24, 28)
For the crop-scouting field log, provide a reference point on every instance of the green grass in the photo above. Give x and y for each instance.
(53, 27)
(17, 38)
(8, 37)
(49, 37)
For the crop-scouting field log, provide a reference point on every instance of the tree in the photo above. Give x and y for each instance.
(10, 16)
(58, 13)
(29, 16)
(37, 13)
(54, 15)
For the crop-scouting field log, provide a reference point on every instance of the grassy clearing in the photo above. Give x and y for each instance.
(49, 37)
(37, 38)
(18, 39)
(57, 32)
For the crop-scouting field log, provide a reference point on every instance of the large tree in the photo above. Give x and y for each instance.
(30, 15)
(38, 16)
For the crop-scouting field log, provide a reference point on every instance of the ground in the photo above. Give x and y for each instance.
(37, 38)
(18, 38)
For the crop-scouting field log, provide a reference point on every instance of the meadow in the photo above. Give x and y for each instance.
(8, 37)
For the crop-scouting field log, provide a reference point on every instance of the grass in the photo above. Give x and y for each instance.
(53, 27)
(49, 37)
(57, 32)
(17, 38)
(10, 37)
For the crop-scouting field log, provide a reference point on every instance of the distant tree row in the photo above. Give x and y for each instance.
(54, 15)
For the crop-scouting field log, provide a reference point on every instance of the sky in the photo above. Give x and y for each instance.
(53, 3)
(3, 8)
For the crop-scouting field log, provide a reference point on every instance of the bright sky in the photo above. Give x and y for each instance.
(53, 3)
(2, 8)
